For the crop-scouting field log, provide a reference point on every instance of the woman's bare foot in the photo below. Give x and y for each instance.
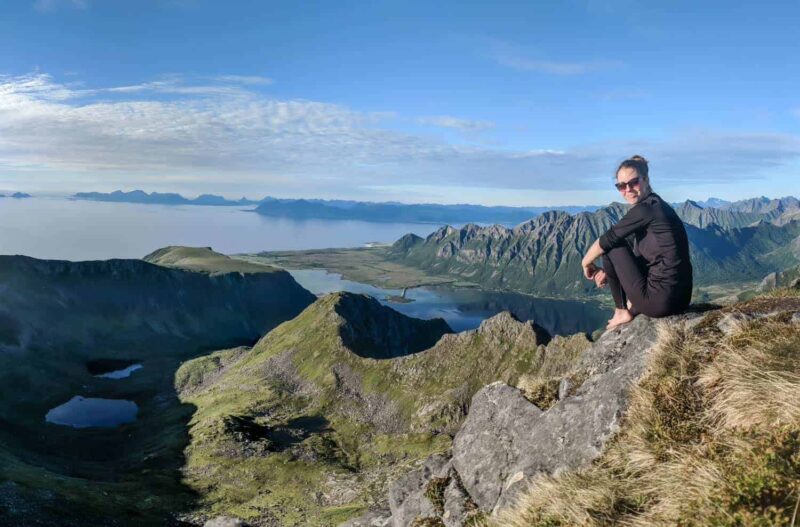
(621, 316)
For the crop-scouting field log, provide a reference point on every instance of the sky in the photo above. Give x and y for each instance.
(497, 103)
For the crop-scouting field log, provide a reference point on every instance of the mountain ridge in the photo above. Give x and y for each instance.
(380, 414)
(543, 255)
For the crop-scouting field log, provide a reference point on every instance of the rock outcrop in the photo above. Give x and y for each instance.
(327, 395)
(506, 439)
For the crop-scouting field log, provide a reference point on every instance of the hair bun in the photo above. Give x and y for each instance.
(638, 163)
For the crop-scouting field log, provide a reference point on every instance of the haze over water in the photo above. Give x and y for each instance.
(58, 228)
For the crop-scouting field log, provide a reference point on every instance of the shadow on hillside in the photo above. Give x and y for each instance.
(279, 437)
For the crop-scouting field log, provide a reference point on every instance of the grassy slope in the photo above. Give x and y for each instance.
(204, 259)
(92, 476)
(401, 413)
(712, 436)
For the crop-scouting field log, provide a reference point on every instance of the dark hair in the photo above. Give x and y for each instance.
(638, 163)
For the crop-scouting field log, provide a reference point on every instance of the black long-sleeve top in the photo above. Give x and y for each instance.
(660, 239)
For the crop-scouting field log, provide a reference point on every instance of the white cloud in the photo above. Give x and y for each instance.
(462, 125)
(509, 55)
(252, 80)
(552, 67)
(223, 137)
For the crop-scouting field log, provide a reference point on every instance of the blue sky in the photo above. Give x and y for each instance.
(518, 103)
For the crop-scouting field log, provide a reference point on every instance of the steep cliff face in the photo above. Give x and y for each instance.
(543, 255)
(120, 303)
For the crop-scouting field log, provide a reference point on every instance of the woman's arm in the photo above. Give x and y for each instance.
(638, 217)
(594, 252)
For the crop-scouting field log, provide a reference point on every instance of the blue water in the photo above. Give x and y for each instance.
(121, 374)
(59, 228)
(466, 308)
(83, 412)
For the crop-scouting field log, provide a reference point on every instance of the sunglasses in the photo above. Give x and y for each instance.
(629, 184)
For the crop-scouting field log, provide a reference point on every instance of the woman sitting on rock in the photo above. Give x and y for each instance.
(645, 254)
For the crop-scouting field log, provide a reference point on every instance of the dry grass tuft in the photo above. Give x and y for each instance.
(755, 379)
(712, 437)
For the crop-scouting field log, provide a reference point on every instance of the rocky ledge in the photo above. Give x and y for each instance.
(506, 439)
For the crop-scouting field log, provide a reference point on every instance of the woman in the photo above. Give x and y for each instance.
(645, 255)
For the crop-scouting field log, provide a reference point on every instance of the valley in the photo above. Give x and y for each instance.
(190, 385)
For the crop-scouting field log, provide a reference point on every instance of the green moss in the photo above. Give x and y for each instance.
(423, 395)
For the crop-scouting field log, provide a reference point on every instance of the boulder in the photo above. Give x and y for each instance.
(455, 504)
(409, 496)
(505, 439)
(377, 518)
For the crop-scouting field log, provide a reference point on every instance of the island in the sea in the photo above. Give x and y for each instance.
(160, 198)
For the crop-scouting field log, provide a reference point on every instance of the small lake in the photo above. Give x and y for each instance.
(466, 308)
(85, 412)
(121, 374)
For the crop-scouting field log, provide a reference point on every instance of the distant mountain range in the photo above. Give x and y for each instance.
(343, 209)
(16, 195)
(168, 198)
(400, 212)
(743, 242)
(699, 213)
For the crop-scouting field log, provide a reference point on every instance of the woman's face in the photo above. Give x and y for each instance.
(631, 186)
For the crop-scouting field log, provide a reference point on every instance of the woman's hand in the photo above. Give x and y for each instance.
(589, 270)
(600, 278)
(594, 252)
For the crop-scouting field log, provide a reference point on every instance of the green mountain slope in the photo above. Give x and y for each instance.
(543, 255)
(311, 423)
(204, 259)
(59, 320)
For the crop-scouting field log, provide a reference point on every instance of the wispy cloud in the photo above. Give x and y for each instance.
(553, 67)
(251, 80)
(512, 56)
(176, 85)
(462, 125)
(49, 6)
(241, 137)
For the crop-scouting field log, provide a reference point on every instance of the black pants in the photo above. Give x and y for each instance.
(628, 280)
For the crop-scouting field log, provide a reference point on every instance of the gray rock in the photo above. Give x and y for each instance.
(224, 521)
(380, 518)
(506, 439)
(455, 504)
(796, 318)
(407, 499)
(563, 388)
(769, 282)
(730, 321)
